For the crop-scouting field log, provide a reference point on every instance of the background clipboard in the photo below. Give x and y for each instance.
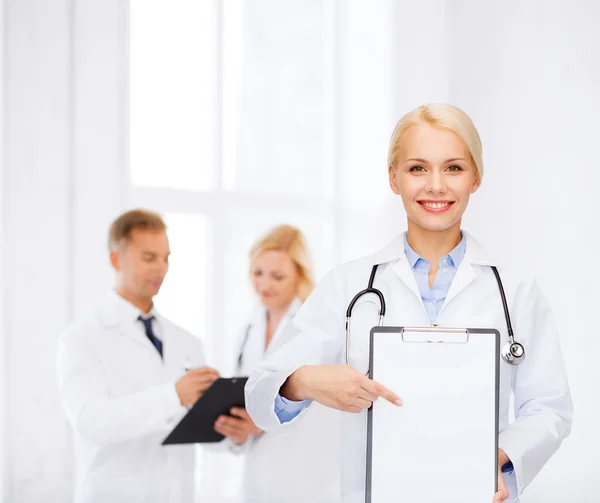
(441, 446)
(197, 426)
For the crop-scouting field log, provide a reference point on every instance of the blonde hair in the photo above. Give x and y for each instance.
(121, 229)
(442, 116)
(290, 240)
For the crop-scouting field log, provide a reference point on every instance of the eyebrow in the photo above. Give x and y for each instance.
(153, 254)
(423, 160)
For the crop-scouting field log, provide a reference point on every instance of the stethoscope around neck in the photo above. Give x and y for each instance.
(512, 352)
(242, 350)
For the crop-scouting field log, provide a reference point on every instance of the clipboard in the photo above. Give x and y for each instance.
(197, 426)
(441, 446)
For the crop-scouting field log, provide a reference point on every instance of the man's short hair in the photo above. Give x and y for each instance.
(122, 228)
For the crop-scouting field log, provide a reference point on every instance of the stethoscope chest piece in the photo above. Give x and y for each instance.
(513, 353)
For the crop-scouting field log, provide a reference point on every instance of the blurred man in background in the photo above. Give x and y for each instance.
(124, 379)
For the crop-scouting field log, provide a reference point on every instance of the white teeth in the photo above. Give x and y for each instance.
(435, 205)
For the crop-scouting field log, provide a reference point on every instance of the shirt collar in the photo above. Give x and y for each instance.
(455, 256)
(459, 251)
(412, 256)
(474, 254)
(128, 313)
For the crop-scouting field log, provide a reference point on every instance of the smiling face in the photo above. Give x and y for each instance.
(435, 175)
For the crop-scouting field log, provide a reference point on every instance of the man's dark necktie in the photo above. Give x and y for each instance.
(150, 334)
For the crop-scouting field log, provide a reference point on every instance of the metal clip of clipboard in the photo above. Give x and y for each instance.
(406, 332)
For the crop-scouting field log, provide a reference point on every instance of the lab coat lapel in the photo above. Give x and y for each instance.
(394, 252)
(173, 360)
(113, 315)
(465, 275)
(281, 336)
(475, 255)
(405, 273)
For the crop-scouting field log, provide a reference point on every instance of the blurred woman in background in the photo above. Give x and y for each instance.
(281, 274)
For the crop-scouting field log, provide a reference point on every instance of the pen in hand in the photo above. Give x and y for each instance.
(194, 383)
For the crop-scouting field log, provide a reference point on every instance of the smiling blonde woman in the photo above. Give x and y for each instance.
(435, 273)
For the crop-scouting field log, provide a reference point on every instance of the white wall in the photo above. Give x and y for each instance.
(390, 68)
(62, 179)
(3, 374)
(100, 181)
(529, 74)
(36, 243)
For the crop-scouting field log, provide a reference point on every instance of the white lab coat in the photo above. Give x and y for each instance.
(121, 401)
(542, 401)
(311, 448)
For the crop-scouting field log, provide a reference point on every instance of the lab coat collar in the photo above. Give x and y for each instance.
(295, 306)
(475, 254)
(280, 336)
(116, 311)
(260, 314)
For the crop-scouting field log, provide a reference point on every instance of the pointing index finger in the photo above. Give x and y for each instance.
(380, 390)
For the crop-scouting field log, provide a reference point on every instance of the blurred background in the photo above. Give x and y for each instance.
(231, 116)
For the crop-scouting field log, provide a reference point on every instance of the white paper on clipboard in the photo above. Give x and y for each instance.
(441, 446)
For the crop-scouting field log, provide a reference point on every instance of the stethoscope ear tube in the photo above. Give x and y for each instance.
(355, 299)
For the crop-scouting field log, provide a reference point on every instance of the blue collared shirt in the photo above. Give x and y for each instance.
(433, 297)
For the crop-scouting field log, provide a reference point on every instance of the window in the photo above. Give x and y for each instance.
(173, 94)
(186, 285)
(245, 115)
(227, 129)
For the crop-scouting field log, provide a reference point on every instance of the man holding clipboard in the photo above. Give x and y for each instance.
(127, 376)
(434, 278)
